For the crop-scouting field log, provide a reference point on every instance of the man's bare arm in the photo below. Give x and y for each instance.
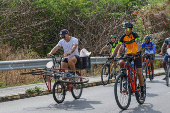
(120, 50)
(103, 49)
(139, 48)
(116, 49)
(72, 49)
(162, 48)
(54, 50)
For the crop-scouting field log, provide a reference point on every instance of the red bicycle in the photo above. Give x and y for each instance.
(65, 80)
(146, 67)
(127, 83)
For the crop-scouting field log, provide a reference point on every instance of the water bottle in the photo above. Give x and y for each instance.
(132, 63)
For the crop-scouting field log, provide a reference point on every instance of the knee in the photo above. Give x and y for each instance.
(164, 62)
(121, 64)
(72, 60)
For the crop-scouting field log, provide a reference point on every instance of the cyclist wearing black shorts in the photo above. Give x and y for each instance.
(166, 45)
(70, 46)
(132, 43)
(113, 43)
(150, 50)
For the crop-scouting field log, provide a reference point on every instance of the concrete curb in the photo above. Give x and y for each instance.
(46, 92)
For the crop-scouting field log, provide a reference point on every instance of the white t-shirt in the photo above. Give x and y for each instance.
(68, 45)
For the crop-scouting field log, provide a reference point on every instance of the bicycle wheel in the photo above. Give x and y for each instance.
(144, 70)
(122, 91)
(167, 75)
(76, 90)
(138, 91)
(105, 74)
(58, 92)
(149, 70)
(117, 70)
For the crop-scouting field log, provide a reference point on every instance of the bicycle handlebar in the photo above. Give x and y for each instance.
(104, 55)
(125, 58)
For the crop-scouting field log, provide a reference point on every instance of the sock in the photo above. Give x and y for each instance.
(141, 88)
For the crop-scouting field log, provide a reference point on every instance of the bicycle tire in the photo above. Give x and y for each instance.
(138, 93)
(167, 75)
(58, 92)
(105, 74)
(76, 90)
(123, 90)
(150, 76)
(75, 80)
(117, 70)
(144, 70)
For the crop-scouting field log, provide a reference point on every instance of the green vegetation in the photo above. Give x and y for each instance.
(29, 28)
(36, 23)
(34, 90)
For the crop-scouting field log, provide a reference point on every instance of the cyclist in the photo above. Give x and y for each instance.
(165, 44)
(133, 46)
(149, 49)
(70, 46)
(111, 44)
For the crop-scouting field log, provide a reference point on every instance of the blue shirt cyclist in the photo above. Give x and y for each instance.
(149, 49)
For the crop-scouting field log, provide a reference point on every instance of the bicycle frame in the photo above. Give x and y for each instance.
(111, 66)
(128, 73)
(130, 78)
(147, 64)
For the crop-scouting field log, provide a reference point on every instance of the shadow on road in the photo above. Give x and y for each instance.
(144, 108)
(80, 104)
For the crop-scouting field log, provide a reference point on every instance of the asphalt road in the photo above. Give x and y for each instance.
(98, 99)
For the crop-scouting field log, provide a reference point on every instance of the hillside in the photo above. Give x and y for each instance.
(34, 25)
(29, 28)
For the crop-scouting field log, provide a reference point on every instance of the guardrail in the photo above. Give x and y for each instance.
(41, 63)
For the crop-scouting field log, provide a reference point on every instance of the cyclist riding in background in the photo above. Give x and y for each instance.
(149, 49)
(132, 43)
(70, 46)
(165, 44)
(113, 43)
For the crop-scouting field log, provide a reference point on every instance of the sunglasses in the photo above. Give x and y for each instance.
(127, 29)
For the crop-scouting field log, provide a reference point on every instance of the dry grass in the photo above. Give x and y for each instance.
(10, 78)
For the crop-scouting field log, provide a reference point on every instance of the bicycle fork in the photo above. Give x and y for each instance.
(147, 66)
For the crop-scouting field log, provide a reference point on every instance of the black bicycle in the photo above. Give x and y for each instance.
(167, 70)
(146, 67)
(107, 72)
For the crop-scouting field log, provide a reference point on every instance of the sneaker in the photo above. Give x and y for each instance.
(152, 76)
(142, 96)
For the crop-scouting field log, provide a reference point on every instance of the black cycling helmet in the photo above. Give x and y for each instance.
(147, 37)
(112, 36)
(128, 25)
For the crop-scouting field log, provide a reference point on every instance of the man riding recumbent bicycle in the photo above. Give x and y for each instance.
(64, 77)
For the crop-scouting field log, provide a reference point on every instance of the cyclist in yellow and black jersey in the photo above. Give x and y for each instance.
(133, 46)
(113, 43)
